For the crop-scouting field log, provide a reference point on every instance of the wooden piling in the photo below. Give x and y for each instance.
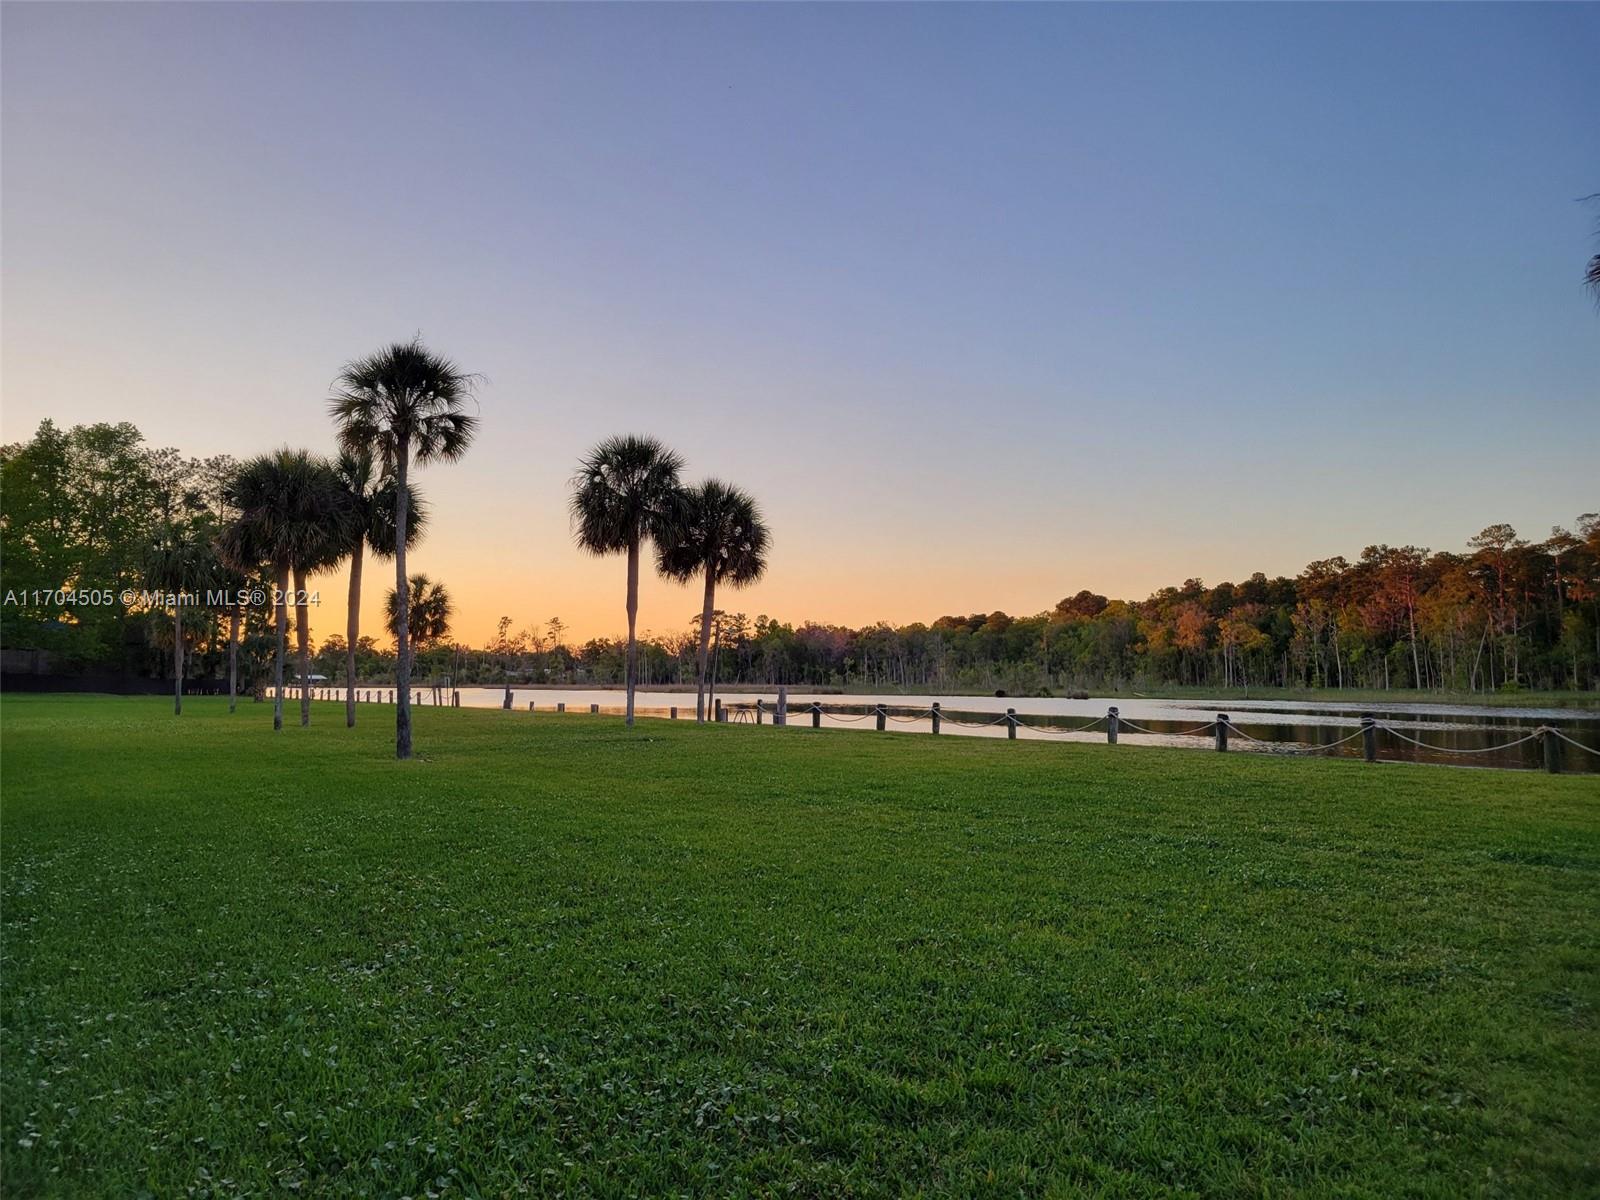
(1222, 731)
(936, 715)
(1112, 718)
(1369, 737)
(1011, 723)
(1552, 750)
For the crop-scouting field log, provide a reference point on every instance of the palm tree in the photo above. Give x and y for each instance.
(626, 490)
(403, 405)
(281, 500)
(717, 533)
(372, 499)
(179, 561)
(429, 618)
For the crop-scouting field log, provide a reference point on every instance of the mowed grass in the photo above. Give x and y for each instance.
(556, 957)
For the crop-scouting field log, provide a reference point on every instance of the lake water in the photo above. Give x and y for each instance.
(1458, 734)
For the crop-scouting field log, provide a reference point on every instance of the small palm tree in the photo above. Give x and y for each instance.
(373, 500)
(626, 490)
(403, 405)
(717, 533)
(429, 620)
(282, 502)
(180, 561)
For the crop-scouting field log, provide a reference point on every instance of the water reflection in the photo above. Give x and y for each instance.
(1464, 735)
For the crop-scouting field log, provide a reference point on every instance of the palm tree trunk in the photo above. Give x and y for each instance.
(705, 644)
(352, 633)
(233, 658)
(633, 620)
(711, 684)
(280, 645)
(302, 644)
(402, 666)
(177, 656)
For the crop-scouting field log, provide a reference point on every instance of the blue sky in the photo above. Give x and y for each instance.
(987, 303)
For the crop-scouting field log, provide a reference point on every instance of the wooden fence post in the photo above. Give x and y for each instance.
(1369, 737)
(816, 714)
(882, 714)
(506, 703)
(758, 712)
(594, 710)
(672, 713)
(1011, 723)
(936, 715)
(1111, 725)
(1222, 731)
(717, 714)
(530, 705)
(561, 706)
(781, 717)
(1552, 750)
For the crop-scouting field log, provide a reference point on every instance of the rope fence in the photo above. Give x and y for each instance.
(1220, 730)
(1550, 738)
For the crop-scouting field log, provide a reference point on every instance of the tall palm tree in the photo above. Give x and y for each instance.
(281, 500)
(403, 405)
(626, 490)
(372, 499)
(429, 617)
(717, 533)
(181, 562)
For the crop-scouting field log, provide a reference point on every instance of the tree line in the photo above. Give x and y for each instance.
(1505, 614)
(87, 505)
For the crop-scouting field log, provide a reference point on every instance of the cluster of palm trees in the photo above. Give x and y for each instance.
(297, 513)
(626, 492)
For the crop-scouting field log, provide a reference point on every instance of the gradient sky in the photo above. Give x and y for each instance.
(987, 304)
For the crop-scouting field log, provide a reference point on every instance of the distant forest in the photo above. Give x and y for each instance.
(78, 509)
(1507, 614)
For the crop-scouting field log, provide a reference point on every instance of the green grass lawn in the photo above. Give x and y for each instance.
(556, 957)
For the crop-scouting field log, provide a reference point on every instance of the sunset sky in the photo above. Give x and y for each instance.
(986, 304)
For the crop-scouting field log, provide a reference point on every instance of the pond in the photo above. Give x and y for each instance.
(1464, 735)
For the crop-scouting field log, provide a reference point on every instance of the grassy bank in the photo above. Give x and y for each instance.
(558, 957)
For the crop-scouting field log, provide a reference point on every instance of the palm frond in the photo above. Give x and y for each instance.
(625, 489)
(716, 527)
(404, 397)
